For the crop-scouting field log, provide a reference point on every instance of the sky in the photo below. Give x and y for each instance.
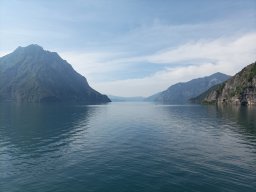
(136, 47)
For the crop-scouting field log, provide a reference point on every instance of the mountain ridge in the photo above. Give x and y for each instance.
(32, 74)
(239, 89)
(180, 93)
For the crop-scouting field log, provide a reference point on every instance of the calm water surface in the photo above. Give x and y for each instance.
(127, 147)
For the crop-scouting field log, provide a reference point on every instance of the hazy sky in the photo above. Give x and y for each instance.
(136, 47)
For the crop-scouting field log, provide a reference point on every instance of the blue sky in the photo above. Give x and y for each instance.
(136, 47)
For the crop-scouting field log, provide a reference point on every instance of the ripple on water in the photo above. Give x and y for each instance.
(127, 147)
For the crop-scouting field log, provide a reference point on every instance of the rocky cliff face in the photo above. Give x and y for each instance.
(239, 90)
(31, 74)
(180, 93)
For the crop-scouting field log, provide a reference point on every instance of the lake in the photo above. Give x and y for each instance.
(127, 147)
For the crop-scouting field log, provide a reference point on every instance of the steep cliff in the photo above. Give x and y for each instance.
(32, 74)
(240, 89)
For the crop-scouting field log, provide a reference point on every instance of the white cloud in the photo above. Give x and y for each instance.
(226, 50)
(91, 64)
(155, 83)
(189, 49)
(203, 57)
(227, 55)
(3, 53)
(159, 34)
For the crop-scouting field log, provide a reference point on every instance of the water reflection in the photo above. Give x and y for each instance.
(32, 126)
(144, 147)
(244, 116)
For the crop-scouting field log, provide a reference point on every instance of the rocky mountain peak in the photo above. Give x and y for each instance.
(240, 89)
(32, 74)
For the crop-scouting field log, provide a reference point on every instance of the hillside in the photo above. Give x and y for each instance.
(32, 74)
(180, 93)
(240, 89)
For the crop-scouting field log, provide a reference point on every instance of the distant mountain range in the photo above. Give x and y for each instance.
(125, 99)
(180, 93)
(240, 89)
(31, 74)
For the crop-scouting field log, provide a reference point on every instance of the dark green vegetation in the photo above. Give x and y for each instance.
(200, 98)
(240, 89)
(180, 93)
(31, 74)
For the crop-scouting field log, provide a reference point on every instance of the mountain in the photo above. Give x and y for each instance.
(180, 93)
(240, 89)
(125, 99)
(32, 74)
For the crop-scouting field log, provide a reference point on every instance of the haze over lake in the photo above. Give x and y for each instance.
(127, 96)
(127, 147)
